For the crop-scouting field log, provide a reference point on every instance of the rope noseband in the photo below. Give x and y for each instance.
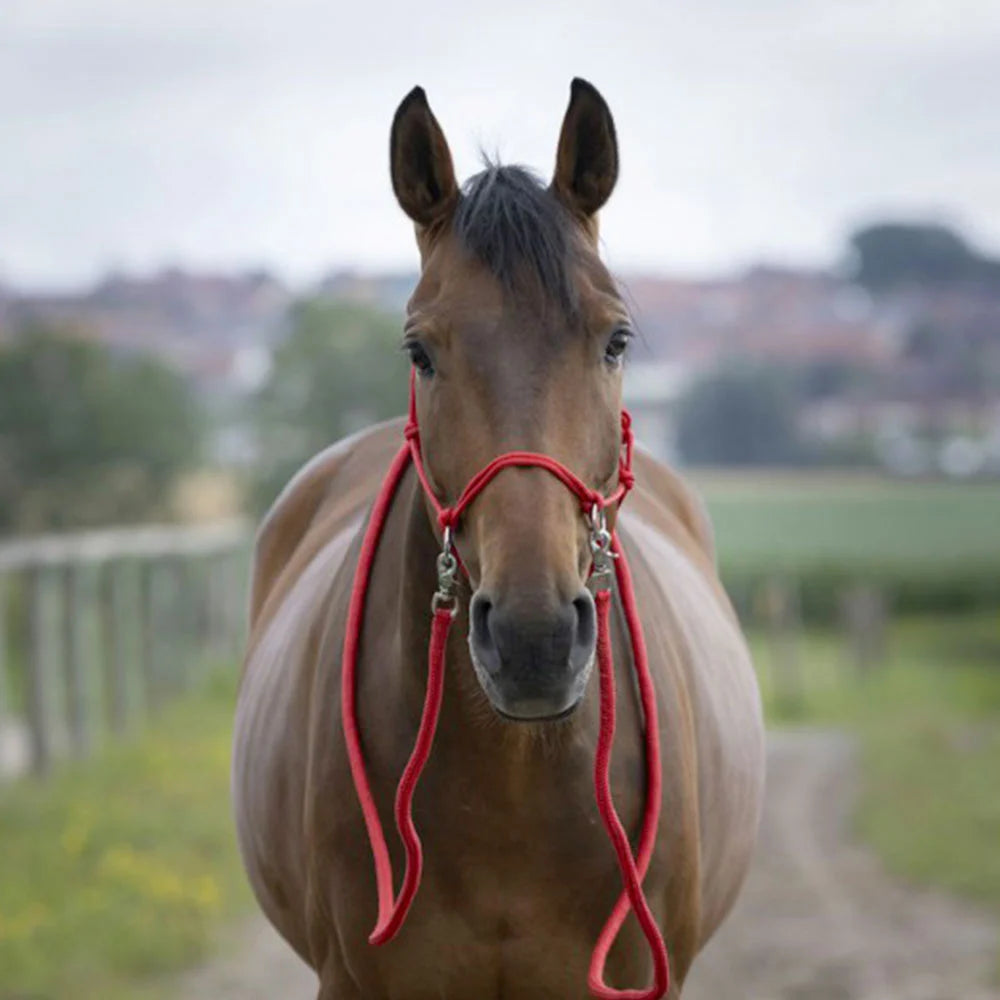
(607, 553)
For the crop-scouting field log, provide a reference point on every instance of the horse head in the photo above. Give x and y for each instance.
(517, 335)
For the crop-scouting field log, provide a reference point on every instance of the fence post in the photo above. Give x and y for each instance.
(74, 662)
(184, 579)
(37, 701)
(114, 648)
(236, 602)
(213, 608)
(5, 704)
(177, 615)
(864, 616)
(150, 612)
(225, 603)
(782, 614)
(201, 597)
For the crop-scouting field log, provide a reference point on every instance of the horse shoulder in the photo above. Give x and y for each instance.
(337, 481)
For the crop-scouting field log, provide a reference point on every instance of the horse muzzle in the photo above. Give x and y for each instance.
(532, 658)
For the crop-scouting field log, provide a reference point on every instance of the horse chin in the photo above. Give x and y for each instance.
(526, 710)
(544, 719)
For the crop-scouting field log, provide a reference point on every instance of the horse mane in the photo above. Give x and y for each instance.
(516, 227)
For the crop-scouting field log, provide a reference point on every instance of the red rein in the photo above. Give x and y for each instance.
(392, 912)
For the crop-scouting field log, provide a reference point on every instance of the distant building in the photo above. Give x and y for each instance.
(930, 354)
(384, 291)
(766, 313)
(652, 389)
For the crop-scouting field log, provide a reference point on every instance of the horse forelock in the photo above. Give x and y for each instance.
(520, 232)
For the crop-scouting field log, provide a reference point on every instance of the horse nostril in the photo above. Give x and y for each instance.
(480, 633)
(480, 608)
(586, 620)
(586, 629)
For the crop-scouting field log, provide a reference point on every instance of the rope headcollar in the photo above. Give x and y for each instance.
(448, 516)
(608, 559)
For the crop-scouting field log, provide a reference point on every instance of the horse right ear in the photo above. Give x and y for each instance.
(587, 157)
(423, 177)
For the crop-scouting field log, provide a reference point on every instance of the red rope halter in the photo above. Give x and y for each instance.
(392, 912)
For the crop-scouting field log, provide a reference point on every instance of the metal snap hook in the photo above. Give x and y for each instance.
(600, 548)
(447, 573)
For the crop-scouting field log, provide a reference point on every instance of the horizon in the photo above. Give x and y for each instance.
(70, 290)
(735, 272)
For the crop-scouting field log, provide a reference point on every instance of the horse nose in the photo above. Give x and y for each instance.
(533, 657)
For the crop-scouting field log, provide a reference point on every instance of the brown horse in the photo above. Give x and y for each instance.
(517, 335)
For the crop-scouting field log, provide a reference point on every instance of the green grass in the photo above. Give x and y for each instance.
(934, 546)
(821, 519)
(928, 721)
(120, 870)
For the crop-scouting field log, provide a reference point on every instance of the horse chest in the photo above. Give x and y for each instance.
(518, 878)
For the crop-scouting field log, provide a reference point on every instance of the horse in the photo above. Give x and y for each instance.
(517, 334)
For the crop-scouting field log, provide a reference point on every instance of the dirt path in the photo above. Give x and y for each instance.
(818, 920)
(259, 966)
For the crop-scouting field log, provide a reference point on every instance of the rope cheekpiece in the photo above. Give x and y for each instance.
(607, 553)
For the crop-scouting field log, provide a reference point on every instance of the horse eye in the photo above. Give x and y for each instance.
(419, 358)
(617, 346)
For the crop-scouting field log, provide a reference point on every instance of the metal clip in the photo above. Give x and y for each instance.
(447, 572)
(600, 547)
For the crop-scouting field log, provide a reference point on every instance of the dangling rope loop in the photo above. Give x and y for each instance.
(608, 557)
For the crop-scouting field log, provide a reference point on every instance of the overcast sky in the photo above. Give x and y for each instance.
(232, 133)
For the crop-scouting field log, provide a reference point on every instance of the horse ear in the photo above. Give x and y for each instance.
(587, 157)
(423, 177)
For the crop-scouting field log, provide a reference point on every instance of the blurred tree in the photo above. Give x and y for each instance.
(929, 343)
(890, 254)
(87, 438)
(825, 378)
(738, 415)
(956, 361)
(340, 369)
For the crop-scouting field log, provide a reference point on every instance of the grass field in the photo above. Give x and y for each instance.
(929, 725)
(933, 546)
(116, 872)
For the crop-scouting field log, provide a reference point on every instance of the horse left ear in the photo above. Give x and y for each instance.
(423, 177)
(587, 157)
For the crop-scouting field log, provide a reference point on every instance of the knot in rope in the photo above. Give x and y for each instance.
(448, 517)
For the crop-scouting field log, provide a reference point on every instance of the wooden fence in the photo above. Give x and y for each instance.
(98, 629)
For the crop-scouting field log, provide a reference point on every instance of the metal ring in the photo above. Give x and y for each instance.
(447, 565)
